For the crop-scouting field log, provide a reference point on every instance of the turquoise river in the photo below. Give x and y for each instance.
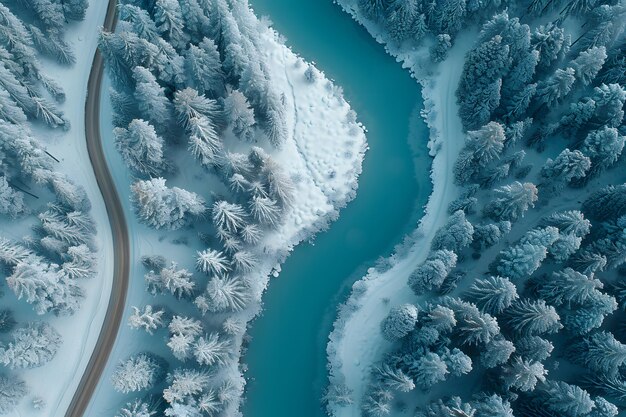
(287, 354)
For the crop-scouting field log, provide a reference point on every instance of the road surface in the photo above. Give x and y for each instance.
(115, 309)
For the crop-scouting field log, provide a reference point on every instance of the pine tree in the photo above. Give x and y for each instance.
(605, 203)
(212, 350)
(239, 115)
(565, 399)
(555, 88)
(549, 41)
(224, 294)
(189, 105)
(212, 262)
(394, 378)
(204, 142)
(533, 348)
(600, 352)
(399, 322)
(567, 166)
(148, 318)
(169, 21)
(136, 408)
(496, 352)
(603, 147)
(176, 281)
(141, 147)
(473, 327)
(492, 406)
(567, 287)
(428, 369)
(140, 21)
(433, 271)
(228, 216)
(455, 235)
(588, 63)
(151, 101)
(532, 318)
(11, 201)
(31, 346)
(493, 294)
(523, 375)
(161, 207)
(205, 68)
(511, 201)
(12, 390)
(137, 373)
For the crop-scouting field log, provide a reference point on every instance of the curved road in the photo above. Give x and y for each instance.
(121, 251)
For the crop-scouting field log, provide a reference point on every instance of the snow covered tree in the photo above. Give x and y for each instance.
(176, 281)
(204, 143)
(492, 406)
(239, 115)
(212, 262)
(520, 261)
(205, 68)
(569, 222)
(399, 322)
(136, 408)
(212, 350)
(493, 294)
(31, 346)
(567, 166)
(479, 88)
(428, 369)
(455, 235)
(603, 408)
(124, 51)
(556, 87)
(153, 105)
(279, 185)
(511, 201)
(605, 203)
(550, 41)
(496, 352)
(473, 327)
(169, 20)
(265, 210)
(141, 147)
(588, 63)
(137, 373)
(228, 216)
(185, 383)
(533, 348)
(393, 378)
(433, 271)
(191, 105)
(12, 390)
(139, 20)
(224, 293)
(603, 147)
(183, 332)
(530, 318)
(148, 318)
(482, 147)
(567, 287)
(439, 50)
(523, 375)
(600, 352)
(244, 261)
(458, 362)
(161, 207)
(565, 399)
(7, 321)
(51, 43)
(11, 201)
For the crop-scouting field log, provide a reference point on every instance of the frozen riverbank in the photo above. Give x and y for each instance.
(356, 342)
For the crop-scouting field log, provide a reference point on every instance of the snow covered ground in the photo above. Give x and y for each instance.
(322, 155)
(356, 341)
(56, 382)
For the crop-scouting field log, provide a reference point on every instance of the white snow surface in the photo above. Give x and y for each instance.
(323, 155)
(356, 342)
(56, 381)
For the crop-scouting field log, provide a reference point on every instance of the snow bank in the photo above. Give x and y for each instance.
(356, 341)
(323, 156)
(56, 382)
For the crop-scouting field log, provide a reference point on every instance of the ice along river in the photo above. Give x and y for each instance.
(286, 358)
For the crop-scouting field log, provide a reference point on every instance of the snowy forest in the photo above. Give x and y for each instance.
(192, 93)
(44, 265)
(519, 306)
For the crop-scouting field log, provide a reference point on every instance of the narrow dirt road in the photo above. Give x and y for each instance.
(115, 309)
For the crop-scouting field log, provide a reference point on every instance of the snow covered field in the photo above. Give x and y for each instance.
(356, 341)
(323, 156)
(56, 382)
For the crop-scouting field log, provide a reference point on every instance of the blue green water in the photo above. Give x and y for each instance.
(287, 355)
